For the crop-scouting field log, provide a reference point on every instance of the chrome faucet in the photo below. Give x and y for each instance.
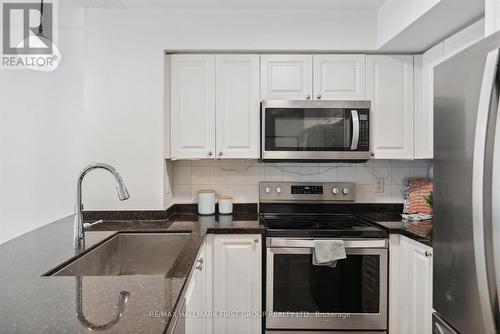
(78, 235)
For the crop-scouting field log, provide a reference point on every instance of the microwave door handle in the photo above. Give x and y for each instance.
(355, 130)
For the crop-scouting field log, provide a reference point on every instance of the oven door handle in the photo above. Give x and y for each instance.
(309, 243)
(355, 130)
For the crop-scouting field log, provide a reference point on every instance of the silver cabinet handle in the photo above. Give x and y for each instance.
(428, 254)
(308, 97)
(210, 153)
(220, 153)
(355, 129)
(200, 264)
(318, 96)
(256, 241)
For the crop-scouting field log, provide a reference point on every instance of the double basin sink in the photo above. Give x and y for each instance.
(127, 254)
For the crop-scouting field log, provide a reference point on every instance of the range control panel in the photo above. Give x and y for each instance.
(306, 191)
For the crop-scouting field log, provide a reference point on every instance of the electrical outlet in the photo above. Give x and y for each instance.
(379, 185)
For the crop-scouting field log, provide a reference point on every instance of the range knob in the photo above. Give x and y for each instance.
(267, 190)
(335, 190)
(278, 189)
(345, 191)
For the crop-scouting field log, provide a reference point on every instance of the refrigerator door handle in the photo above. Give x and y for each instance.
(481, 192)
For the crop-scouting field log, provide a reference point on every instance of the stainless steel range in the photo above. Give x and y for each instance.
(302, 297)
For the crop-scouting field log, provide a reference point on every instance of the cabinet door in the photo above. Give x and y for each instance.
(339, 77)
(286, 77)
(420, 289)
(196, 299)
(389, 82)
(237, 283)
(424, 101)
(193, 106)
(237, 106)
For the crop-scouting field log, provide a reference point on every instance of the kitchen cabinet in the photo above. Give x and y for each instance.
(389, 86)
(410, 290)
(237, 283)
(192, 106)
(424, 101)
(215, 106)
(237, 106)
(339, 77)
(424, 84)
(286, 77)
(196, 297)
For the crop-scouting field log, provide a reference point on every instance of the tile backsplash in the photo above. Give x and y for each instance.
(240, 178)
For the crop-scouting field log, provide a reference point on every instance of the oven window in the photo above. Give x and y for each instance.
(351, 287)
(307, 130)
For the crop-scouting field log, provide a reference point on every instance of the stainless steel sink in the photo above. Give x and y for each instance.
(128, 254)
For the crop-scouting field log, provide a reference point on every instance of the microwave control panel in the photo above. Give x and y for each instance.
(364, 130)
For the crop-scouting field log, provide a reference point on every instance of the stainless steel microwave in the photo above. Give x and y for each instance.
(315, 130)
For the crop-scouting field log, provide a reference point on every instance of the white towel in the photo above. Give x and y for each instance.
(327, 252)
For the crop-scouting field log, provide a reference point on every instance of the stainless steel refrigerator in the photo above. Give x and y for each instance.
(467, 191)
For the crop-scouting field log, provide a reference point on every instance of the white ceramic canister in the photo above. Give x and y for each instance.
(206, 202)
(225, 204)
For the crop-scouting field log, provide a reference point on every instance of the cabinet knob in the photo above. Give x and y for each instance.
(308, 97)
(318, 97)
(220, 153)
(428, 254)
(256, 241)
(210, 153)
(200, 265)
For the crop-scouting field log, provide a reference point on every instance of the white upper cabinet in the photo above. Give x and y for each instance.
(215, 106)
(339, 77)
(424, 101)
(237, 106)
(286, 77)
(389, 86)
(237, 282)
(193, 106)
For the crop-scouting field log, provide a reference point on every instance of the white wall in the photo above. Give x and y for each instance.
(124, 79)
(240, 178)
(40, 136)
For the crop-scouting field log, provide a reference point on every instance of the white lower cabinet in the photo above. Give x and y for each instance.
(196, 297)
(227, 283)
(410, 286)
(237, 283)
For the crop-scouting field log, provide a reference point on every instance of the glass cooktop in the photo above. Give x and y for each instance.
(336, 224)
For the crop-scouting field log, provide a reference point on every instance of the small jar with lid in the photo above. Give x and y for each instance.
(206, 202)
(225, 205)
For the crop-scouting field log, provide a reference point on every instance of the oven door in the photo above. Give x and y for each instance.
(305, 130)
(350, 296)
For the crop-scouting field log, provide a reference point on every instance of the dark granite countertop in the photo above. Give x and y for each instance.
(32, 303)
(419, 231)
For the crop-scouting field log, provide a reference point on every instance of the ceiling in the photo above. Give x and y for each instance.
(238, 4)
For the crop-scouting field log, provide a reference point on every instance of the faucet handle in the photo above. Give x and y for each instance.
(87, 225)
